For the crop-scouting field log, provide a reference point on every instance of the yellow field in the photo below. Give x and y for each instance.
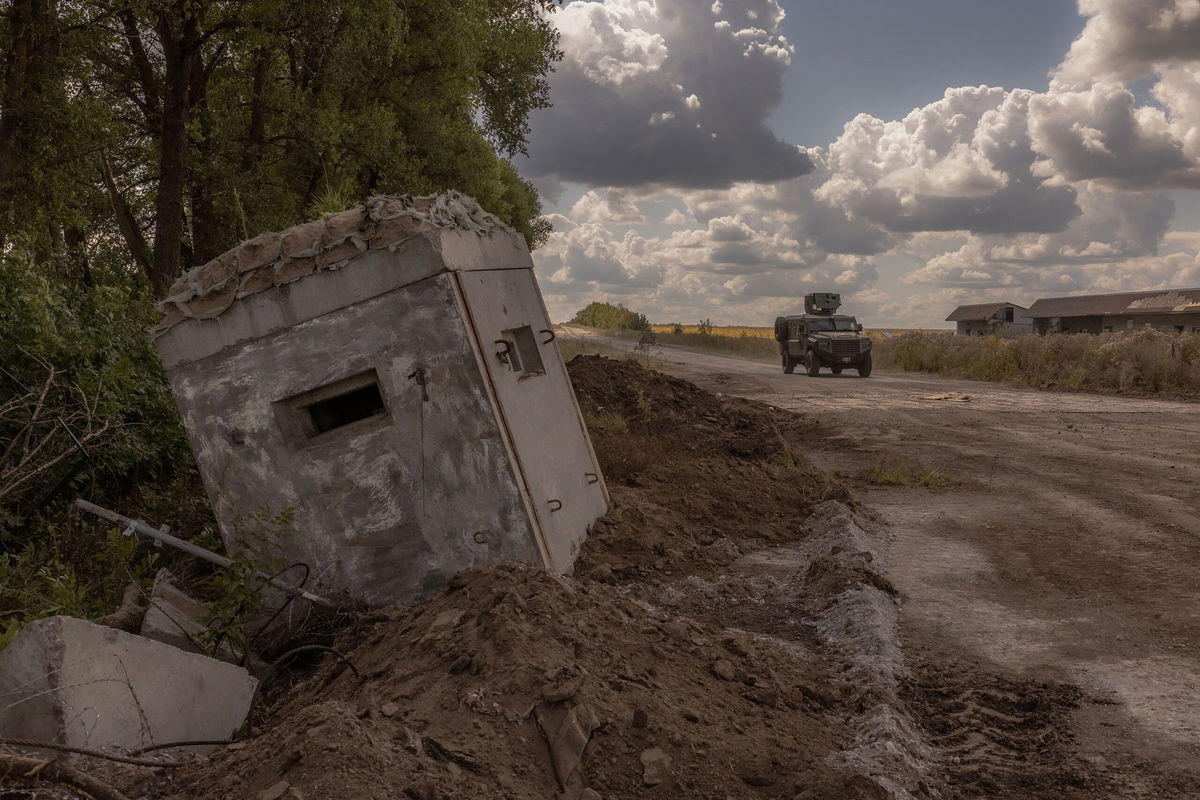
(721, 330)
(769, 333)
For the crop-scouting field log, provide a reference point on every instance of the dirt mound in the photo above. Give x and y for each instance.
(694, 477)
(516, 683)
(520, 684)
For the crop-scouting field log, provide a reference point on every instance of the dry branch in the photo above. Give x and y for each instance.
(25, 770)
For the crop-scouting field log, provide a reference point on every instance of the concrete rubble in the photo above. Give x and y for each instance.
(172, 617)
(72, 682)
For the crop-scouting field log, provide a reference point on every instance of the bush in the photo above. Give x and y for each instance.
(85, 409)
(607, 317)
(1141, 362)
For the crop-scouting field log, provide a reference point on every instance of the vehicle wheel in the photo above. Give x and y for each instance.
(789, 365)
(864, 369)
(781, 329)
(836, 370)
(811, 365)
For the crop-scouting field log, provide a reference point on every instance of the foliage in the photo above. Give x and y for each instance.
(93, 339)
(1141, 362)
(138, 139)
(609, 317)
(162, 133)
(42, 580)
(237, 589)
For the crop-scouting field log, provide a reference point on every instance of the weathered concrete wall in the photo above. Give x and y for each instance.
(69, 681)
(538, 406)
(367, 275)
(387, 512)
(464, 464)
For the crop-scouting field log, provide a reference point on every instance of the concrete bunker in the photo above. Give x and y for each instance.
(389, 374)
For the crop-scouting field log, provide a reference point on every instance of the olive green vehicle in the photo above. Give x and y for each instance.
(822, 338)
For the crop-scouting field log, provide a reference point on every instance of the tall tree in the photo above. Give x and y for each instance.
(195, 123)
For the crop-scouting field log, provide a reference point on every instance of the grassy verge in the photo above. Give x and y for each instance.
(743, 344)
(590, 347)
(1142, 362)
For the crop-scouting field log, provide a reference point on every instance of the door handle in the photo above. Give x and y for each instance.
(504, 348)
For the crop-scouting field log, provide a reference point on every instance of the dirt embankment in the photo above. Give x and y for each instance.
(516, 683)
(705, 648)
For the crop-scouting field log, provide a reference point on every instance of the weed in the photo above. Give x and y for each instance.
(623, 451)
(887, 476)
(237, 590)
(887, 473)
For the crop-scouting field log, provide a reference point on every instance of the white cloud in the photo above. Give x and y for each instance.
(608, 42)
(623, 117)
(982, 194)
(1123, 40)
(614, 206)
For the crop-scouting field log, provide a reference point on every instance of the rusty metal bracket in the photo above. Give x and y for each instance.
(505, 349)
(552, 335)
(592, 477)
(555, 505)
(419, 376)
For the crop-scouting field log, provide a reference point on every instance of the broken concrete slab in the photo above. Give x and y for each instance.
(174, 618)
(72, 682)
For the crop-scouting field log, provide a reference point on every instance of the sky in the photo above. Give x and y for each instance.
(720, 160)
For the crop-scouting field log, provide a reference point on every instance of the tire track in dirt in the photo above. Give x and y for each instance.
(1064, 553)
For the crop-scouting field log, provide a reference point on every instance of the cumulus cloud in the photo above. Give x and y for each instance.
(985, 191)
(1101, 133)
(613, 206)
(662, 93)
(1123, 40)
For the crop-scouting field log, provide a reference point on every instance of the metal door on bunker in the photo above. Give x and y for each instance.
(537, 405)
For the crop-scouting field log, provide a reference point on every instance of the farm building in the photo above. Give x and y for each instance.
(991, 319)
(1171, 310)
(389, 375)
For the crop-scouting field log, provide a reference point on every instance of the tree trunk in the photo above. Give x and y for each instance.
(256, 129)
(131, 232)
(16, 72)
(180, 51)
(205, 226)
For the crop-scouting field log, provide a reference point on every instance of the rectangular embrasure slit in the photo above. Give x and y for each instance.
(341, 404)
(344, 409)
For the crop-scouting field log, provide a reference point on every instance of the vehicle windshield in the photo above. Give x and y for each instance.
(833, 324)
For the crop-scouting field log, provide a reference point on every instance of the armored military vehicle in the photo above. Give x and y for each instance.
(820, 337)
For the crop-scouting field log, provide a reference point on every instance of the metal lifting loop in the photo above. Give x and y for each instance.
(555, 505)
(592, 477)
(552, 335)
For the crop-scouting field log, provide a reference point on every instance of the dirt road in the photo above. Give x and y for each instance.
(1058, 540)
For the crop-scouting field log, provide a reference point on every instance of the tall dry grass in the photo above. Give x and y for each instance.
(742, 345)
(1142, 362)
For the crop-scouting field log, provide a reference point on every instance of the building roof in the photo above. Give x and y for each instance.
(274, 259)
(1098, 305)
(978, 311)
